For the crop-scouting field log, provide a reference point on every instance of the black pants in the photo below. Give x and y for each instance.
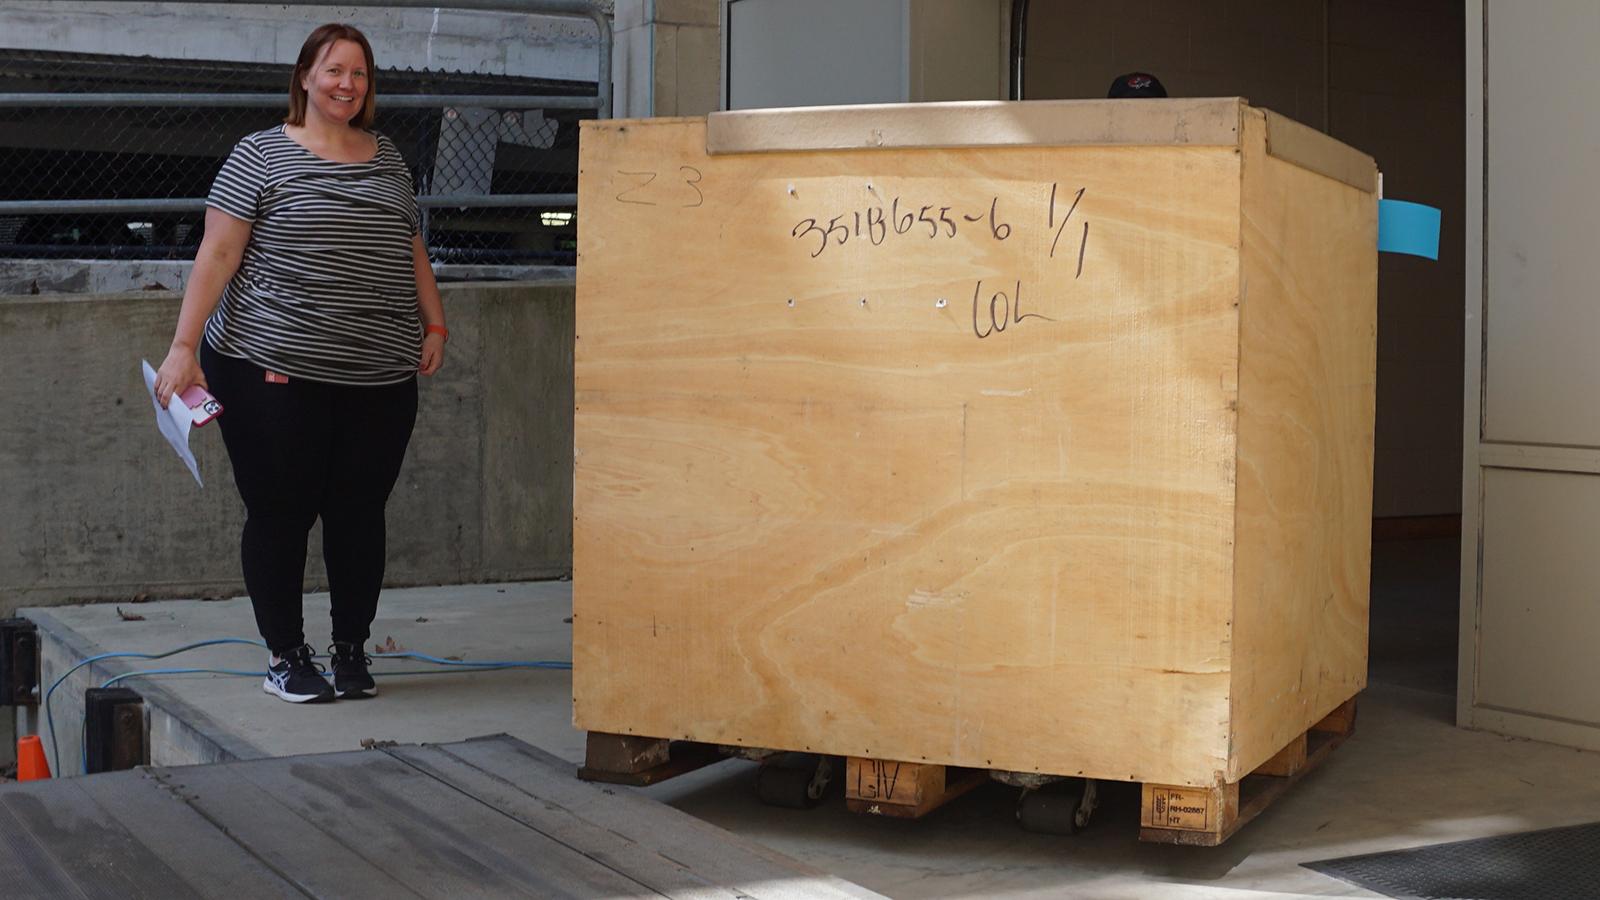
(300, 451)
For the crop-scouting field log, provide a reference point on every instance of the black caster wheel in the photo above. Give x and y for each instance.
(793, 784)
(1062, 807)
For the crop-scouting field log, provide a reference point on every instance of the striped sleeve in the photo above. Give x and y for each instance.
(411, 182)
(237, 188)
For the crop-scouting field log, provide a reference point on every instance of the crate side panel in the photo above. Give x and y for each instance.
(924, 493)
(1307, 377)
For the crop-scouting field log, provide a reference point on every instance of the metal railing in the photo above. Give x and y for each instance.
(477, 206)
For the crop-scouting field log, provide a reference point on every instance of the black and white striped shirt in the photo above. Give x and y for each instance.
(326, 289)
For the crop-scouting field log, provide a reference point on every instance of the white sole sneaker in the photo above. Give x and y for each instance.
(269, 687)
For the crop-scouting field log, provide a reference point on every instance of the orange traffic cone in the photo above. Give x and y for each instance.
(31, 764)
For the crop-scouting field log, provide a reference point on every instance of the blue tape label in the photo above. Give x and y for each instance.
(1408, 228)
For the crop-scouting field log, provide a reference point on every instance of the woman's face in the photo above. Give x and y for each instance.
(336, 86)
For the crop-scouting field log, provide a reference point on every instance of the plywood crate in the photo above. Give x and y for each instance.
(1022, 436)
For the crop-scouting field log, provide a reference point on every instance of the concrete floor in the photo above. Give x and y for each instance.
(1407, 778)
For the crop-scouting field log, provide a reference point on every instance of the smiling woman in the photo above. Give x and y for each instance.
(334, 79)
(318, 309)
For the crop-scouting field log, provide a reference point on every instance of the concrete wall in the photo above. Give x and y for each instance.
(456, 40)
(94, 505)
(667, 59)
(1387, 78)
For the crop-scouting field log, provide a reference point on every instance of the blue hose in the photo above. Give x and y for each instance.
(467, 665)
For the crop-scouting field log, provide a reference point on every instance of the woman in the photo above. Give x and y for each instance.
(328, 310)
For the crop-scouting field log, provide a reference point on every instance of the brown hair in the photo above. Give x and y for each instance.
(310, 51)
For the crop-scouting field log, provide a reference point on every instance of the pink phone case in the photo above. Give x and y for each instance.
(200, 400)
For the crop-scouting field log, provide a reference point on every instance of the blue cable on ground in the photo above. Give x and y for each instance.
(116, 678)
(472, 664)
(55, 751)
(468, 665)
(484, 665)
(83, 743)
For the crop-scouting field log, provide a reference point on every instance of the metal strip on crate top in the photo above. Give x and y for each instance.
(494, 159)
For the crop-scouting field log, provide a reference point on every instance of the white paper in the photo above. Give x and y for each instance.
(174, 422)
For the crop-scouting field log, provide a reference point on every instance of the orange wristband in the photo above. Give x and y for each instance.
(440, 330)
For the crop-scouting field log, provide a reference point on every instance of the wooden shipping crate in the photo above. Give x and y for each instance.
(1023, 436)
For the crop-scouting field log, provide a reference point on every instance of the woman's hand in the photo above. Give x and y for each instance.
(218, 258)
(178, 371)
(432, 354)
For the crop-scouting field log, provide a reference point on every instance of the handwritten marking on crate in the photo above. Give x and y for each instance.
(888, 781)
(993, 311)
(641, 189)
(876, 224)
(877, 780)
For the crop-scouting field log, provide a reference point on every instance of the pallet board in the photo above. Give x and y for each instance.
(1038, 458)
(882, 787)
(490, 817)
(1207, 817)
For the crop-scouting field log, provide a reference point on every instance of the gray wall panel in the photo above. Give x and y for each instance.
(1538, 619)
(816, 53)
(1543, 182)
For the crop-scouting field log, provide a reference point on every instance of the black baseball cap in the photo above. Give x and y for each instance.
(1135, 84)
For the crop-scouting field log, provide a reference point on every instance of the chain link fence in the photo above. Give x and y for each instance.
(110, 157)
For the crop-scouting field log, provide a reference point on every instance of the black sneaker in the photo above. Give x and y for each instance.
(297, 679)
(351, 680)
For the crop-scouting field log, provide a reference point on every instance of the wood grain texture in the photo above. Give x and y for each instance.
(863, 529)
(753, 870)
(490, 817)
(57, 841)
(1287, 761)
(210, 863)
(1308, 356)
(835, 491)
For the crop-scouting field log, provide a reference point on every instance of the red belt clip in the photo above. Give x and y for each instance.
(275, 378)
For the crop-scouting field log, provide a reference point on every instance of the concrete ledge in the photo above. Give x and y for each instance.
(180, 733)
(212, 718)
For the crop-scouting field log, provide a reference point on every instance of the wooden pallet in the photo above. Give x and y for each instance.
(904, 790)
(1206, 817)
(1169, 814)
(641, 761)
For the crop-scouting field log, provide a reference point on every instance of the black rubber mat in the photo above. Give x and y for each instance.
(1554, 864)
